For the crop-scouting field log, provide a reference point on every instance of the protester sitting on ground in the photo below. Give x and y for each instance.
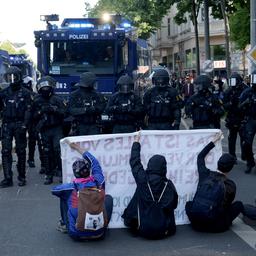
(212, 208)
(85, 209)
(150, 212)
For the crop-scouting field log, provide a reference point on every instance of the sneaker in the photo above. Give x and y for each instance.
(62, 227)
(31, 164)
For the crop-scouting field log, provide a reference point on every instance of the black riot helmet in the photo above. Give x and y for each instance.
(45, 86)
(161, 78)
(203, 83)
(28, 82)
(87, 80)
(235, 79)
(253, 79)
(13, 76)
(125, 84)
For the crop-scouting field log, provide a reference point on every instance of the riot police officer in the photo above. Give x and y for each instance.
(85, 106)
(248, 105)
(15, 104)
(125, 107)
(48, 113)
(204, 107)
(234, 115)
(162, 103)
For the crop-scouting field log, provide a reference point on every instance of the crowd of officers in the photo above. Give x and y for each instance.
(47, 118)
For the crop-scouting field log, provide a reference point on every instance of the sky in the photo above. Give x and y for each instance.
(20, 18)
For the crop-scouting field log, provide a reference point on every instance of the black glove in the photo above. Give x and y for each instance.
(90, 109)
(116, 109)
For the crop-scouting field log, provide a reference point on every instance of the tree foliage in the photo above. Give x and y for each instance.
(146, 15)
(8, 46)
(240, 27)
(185, 7)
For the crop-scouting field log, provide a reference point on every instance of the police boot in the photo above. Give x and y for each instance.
(31, 163)
(48, 180)
(42, 170)
(21, 167)
(22, 182)
(7, 169)
(6, 183)
(249, 168)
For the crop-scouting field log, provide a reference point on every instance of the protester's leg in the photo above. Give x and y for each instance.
(235, 209)
(63, 223)
(64, 211)
(109, 206)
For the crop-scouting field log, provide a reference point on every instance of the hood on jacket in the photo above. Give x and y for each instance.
(157, 165)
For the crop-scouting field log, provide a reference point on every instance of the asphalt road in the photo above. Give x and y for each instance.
(28, 218)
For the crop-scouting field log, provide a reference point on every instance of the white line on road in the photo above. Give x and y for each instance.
(245, 232)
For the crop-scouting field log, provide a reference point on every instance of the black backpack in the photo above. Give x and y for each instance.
(152, 221)
(208, 200)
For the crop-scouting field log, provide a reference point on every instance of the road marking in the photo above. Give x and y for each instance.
(184, 123)
(245, 232)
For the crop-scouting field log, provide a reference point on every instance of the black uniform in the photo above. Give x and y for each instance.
(48, 112)
(234, 116)
(15, 104)
(125, 107)
(85, 106)
(162, 104)
(248, 105)
(203, 106)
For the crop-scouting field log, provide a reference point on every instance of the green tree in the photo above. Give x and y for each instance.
(146, 15)
(189, 9)
(8, 46)
(240, 27)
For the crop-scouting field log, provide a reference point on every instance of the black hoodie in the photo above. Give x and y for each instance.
(155, 174)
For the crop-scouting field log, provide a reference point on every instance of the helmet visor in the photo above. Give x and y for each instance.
(161, 81)
(12, 78)
(125, 88)
(253, 79)
(233, 81)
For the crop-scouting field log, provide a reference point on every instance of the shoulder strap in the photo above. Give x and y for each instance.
(161, 193)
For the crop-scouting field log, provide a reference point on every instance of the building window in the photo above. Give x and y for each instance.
(169, 26)
(218, 52)
(188, 58)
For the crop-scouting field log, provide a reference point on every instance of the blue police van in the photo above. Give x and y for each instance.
(108, 49)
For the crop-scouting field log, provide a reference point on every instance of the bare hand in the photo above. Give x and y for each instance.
(217, 136)
(75, 146)
(137, 137)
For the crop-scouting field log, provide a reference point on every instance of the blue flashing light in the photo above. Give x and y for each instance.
(106, 27)
(126, 25)
(81, 25)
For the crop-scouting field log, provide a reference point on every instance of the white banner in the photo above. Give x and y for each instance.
(180, 149)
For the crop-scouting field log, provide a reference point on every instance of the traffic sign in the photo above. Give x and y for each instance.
(252, 54)
(208, 66)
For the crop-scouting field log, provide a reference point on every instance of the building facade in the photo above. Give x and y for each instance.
(174, 46)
